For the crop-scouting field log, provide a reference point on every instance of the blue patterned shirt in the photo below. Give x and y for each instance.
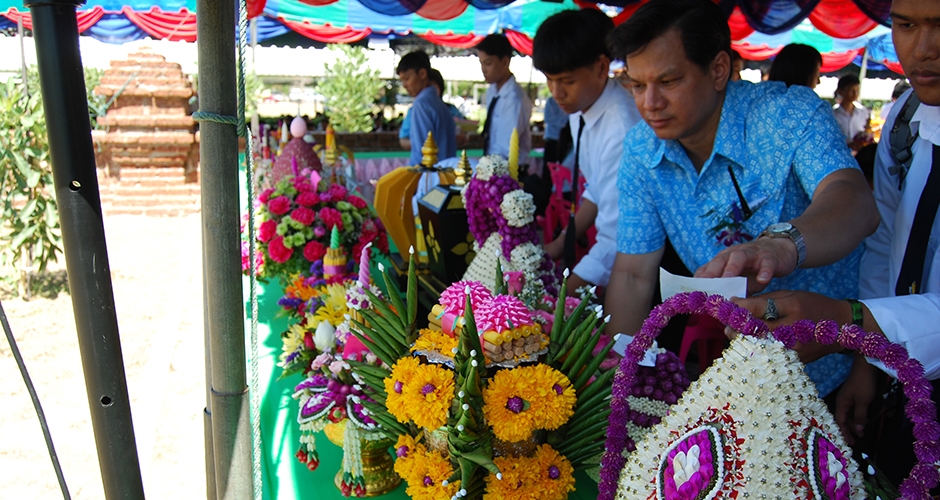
(780, 143)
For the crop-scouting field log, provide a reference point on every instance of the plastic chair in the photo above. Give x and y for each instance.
(710, 335)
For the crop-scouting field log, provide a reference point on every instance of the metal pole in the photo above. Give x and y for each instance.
(19, 31)
(224, 308)
(86, 255)
(863, 73)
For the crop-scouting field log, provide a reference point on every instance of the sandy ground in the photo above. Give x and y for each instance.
(156, 273)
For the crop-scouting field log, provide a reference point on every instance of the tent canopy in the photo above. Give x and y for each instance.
(463, 23)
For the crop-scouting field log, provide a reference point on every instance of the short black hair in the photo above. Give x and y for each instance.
(414, 60)
(899, 89)
(846, 81)
(571, 39)
(436, 78)
(495, 45)
(795, 64)
(702, 26)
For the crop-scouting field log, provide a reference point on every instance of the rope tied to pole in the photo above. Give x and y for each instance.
(205, 116)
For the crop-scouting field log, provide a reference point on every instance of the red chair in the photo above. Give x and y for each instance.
(710, 335)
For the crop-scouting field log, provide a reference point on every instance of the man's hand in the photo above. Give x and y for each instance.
(795, 305)
(758, 260)
(856, 394)
(556, 248)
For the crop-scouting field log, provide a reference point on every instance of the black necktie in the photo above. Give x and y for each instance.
(912, 267)
(486, 124)
(571, 233)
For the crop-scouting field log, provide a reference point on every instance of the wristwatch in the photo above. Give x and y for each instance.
(787, 230)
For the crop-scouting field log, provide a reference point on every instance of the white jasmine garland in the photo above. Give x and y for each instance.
(518, 208)
(491, 165)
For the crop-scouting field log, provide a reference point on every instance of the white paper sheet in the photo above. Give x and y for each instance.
(670, 284)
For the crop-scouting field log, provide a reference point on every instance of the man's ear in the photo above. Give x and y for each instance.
(603, 69)
(720, 70)
(423, 73)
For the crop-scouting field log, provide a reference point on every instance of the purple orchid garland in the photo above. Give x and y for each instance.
(920, 408)
(485, 217)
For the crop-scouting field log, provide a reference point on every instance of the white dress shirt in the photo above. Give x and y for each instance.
(513, 111)
(912, 320)
(606, 124)
(852, 124)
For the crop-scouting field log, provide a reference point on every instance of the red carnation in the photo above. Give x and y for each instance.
(331, 217)
(267, 230)
(303, 215)
(279, 253)
(357, 202)
(314, 251)
(308, 199)
(265, 195)
(337, 192)
(302, 185)
(279, 205)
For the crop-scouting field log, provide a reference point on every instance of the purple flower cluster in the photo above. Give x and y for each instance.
(664, 382)
(485, 217)
(920, 408)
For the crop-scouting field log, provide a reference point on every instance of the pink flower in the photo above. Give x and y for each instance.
(303, 215)
(336, 367)
(354, 348)
(265, 195)
(319, 231)
(267, 230)
(320, 360)
(337, 192)
(279, 253)
(314, 251)
(356, 201)
(308, 199)
(331, 217)
(279, 205)
(302, 185)
(515, 280)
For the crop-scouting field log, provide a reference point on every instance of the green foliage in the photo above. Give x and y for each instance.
(97, 104)
(30, 234)
(350, 88)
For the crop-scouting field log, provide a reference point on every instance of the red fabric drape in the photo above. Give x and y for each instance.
(318, 3)
(255, 8)
(628, 11)
(86, 18)
(832, 61)
(442, 10)
(174, 26)
(519, 41)
(449, 39)
(841, 19)
(893, 66)
(326, 33)
(738, 24)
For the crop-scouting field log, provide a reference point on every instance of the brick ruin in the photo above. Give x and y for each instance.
(147, 147)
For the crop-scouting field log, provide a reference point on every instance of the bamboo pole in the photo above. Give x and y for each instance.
(224, 309)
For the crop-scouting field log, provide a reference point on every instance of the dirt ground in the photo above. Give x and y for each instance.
(156, 273)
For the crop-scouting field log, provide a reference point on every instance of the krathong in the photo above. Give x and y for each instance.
(752, 424)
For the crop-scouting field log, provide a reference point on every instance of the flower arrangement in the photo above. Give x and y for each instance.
(318, 344)
(296, 218)
(501, 219)
(463, 431)
(744, 429)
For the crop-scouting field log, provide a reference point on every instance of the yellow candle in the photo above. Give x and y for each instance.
(514, 154)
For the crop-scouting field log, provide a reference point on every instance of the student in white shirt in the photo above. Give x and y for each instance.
(908, 314)
(508, 106)
(852, 117)
(570, 49)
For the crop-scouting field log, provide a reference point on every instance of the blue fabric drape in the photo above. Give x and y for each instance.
(393, 7)
(116, 28)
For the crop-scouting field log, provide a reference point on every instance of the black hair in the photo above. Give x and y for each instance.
(495, 45)
(846, 81)
(702, 26)
(570, 39)
(900, 89)
(414, 60)
(436, 78)
(795, 64)
(736, 56)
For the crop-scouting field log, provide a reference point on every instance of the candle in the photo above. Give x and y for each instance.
(514, 154)
(364, 266)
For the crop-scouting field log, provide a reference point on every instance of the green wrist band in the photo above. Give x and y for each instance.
(856, 312)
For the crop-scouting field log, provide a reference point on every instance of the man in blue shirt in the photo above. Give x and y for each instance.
(428, 112)
(750, 180)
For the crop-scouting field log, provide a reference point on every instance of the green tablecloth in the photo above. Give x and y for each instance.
(284, 477)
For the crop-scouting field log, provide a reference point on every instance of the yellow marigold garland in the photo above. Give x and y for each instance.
(556, 475)
(424, 471)
(420, 393)
(522, 400)
(519, 478)
(435, 340)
